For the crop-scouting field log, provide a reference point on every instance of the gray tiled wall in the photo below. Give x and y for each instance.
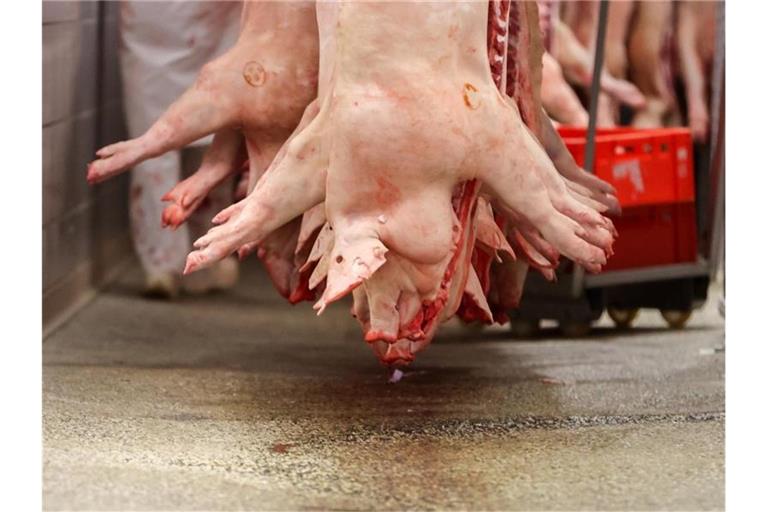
(85, 229)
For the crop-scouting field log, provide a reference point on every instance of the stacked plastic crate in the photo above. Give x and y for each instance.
(652, 171)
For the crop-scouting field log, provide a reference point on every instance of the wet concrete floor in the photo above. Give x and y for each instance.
(239, 401)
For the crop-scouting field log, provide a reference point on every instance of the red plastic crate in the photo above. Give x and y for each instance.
(652, 171)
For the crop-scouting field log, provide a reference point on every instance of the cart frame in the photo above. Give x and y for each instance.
(578, 298)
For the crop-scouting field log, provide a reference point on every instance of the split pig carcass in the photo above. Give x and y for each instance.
(696, 39)
(569, 61)
(423, 168)
(251, 99)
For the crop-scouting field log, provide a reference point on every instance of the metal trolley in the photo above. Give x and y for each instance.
(675, 289)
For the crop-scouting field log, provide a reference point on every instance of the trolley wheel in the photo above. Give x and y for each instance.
(623, 318)
(575, 328)
(524, 327)
(676, 318)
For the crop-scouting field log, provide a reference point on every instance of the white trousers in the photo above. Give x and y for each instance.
(163, 46)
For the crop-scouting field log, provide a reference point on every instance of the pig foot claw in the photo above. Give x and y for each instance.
(114, 159)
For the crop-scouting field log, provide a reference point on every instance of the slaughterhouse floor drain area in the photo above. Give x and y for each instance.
(240, 401)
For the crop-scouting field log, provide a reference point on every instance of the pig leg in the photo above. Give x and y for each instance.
(203, 109)
(266, 156)
(559, 194)
(645, 56)
(692, 69)
(619, 17)
(581, 18)
(293, 184)
(220, 161)
(614, 85)
(597, 189)
(224, 274)
(161, 253)
(557, 97)
(241, 189)
(584, 195)
(563, 161)
(577, 65)
(271, 153)
(530, 200)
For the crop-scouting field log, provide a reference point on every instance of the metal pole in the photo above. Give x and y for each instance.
(717, 81)
(594, 91)
(716, 211)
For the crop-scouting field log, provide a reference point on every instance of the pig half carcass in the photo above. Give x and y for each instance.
(411, 173)
(695, 44)
(568, 60)
(398, 152)
(251, 99)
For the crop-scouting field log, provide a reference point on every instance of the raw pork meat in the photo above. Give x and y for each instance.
(573, 47)
(398, 150)
(251, 98)
(696, 23)
(557, 97)
(650, 62)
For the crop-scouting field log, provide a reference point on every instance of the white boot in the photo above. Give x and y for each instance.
(161, 286)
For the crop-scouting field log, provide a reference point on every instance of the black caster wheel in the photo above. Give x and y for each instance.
(575, 328)
(524, 327)
(676, 318)
(623, 318)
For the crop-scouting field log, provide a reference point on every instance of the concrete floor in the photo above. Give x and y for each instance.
(240, 401)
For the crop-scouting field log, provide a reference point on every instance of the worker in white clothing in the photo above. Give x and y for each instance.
(164, 45)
